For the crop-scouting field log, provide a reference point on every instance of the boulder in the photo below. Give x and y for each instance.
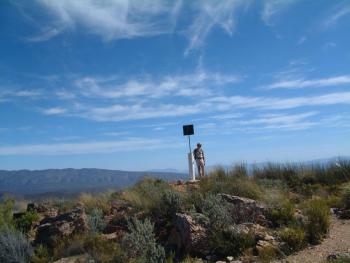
(335, 256)
(188, 237)
(63, 225)
(246, 210)
(76, 259)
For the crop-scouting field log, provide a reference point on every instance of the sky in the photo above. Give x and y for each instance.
(109, 83)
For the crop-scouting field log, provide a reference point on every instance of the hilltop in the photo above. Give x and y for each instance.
(227, 216)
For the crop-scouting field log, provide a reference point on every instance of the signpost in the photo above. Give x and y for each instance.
(188, 131)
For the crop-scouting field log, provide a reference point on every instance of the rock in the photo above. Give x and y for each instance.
(338, 256)
(246, 210)
(117, 220)
(257, 230)
(61, 226)
(188, 236)
(44, 210)
(76, 259)
(229, 258)
(344, 214)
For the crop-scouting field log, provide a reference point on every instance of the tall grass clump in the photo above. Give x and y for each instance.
(153, 196)
(318, 220)
(14, 247)
(234, 181)
(140, 243)
(6, 213)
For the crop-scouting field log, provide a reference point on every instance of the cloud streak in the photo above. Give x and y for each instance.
(83, 147)
(313, 83)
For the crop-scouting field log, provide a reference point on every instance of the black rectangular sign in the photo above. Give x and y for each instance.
(188, 129)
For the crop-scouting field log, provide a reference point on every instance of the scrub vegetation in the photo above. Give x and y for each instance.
(143, 223)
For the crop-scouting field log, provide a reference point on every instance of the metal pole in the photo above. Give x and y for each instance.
(189, 143)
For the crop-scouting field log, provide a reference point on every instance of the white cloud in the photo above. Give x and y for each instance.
(338, 12)
(32, 94)
(119, 112)
(210, 14)
(84, 147)
(273, 8)
(304, 83)
(54, 111)
(126, 19)
(227, 103)
(199, 83)
(111, 19)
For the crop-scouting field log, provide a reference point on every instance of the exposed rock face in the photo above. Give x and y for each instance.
(246, 210)
(76, 259)
(188, 236)
(43, 210)
(61, 226)
(117, 220)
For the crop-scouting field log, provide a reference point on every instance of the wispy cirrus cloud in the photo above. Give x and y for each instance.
(210, 14)
(273, 8)
(111, 19)
(339, 12)
(120, 19)
(85, 147)
(308, 83)
(276, 103)
(199, 83)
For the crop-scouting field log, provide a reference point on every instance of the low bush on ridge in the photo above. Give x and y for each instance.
(318, 220)
(235, 182)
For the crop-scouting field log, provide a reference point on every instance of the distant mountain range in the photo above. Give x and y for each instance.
(33, 182)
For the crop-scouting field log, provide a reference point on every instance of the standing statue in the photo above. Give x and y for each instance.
(200, 160)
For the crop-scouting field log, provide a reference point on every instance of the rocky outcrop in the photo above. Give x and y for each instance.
(44, 210)
(188, 237)
(76, 259)
(63, 225)
(246, 210)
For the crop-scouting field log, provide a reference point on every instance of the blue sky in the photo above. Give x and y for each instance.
(109, 84)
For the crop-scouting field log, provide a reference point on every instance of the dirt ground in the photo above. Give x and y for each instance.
(337, 241)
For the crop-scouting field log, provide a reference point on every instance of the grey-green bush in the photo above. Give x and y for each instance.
(95, 221)
(14, 247)
(217, 210)
(140, 242)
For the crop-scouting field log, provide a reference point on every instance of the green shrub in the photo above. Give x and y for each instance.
(41, 255)
(93, 201)
(268, 254)
(346, 198)
(228, 182)
(228, 241)
(217, 210)
(24, 223)
(103, 250)
(14, 247)
(147, 195)
(294, 238)
(318, 220)
(140, 242)
(282, 213)
(6, 213)
(170, 203)
(96, 221)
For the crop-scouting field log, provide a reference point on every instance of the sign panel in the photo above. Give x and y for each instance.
(188, 129)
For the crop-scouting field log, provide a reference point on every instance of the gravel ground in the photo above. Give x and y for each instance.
(337, 241)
